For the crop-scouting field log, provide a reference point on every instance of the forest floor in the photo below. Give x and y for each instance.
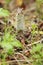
(29, 49)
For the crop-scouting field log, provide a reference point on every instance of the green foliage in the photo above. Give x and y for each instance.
(9, 42)
(4, 63)
(3, 56)
(38, 62)
(7, 1)
(39, 1)
(34, 27)
(4, 12)
(37, 54)
(39, 6)
(37, 48)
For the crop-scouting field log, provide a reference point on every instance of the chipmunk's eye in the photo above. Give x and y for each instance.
(1, 5)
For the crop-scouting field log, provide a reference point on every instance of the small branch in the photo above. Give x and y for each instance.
(35, 42)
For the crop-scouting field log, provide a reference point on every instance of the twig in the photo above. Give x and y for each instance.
(35, 42)
(24, 57)
(19, 61)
